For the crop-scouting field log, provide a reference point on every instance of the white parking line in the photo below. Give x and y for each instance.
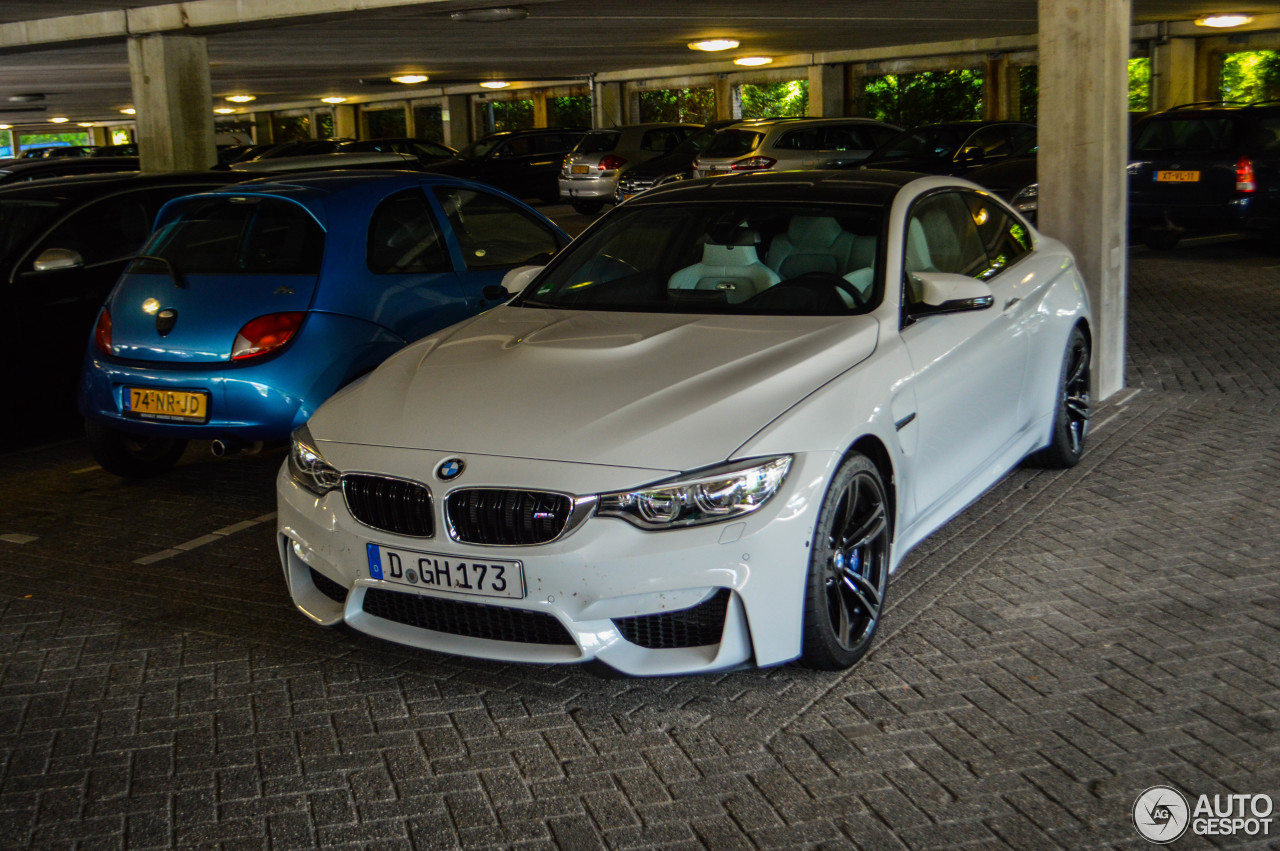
(83, 470)
(215, 535)
(15, 538)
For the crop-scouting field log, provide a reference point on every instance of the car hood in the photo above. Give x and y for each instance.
(660, 391)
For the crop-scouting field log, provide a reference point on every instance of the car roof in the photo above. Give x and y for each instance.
(867, 186)
(93, 185)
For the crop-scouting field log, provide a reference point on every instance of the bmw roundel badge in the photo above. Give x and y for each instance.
(450, 469)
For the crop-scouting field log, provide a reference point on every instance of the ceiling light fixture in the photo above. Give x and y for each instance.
(753, 60)
(128, 110)
(1224, 20)
(334, 99)
(494, 84)
(241, 98)
(410, 79)
(225, 110)
(711, 45)
(86, 123)
(491, 16)
(59, 120)
(6, 126)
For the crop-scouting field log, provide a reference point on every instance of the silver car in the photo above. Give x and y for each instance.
(589, 174)
(789, 144)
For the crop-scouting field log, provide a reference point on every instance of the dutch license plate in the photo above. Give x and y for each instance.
(1177, 177)
(152, 404)
(581, 169)
(477, 577)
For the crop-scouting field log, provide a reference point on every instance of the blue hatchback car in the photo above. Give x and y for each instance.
(250, 306)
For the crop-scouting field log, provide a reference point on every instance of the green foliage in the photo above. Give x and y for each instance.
(291, 128)
(774, 100)
(508, 114)
(27, 140)
(696, 106)
(1251, 76)
(1139, 84)
(925, 97)
(569, 111)
(1029, 92)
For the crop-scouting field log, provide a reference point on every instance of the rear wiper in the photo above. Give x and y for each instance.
(174, 275)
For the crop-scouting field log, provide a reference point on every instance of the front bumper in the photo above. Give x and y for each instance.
(607, 589)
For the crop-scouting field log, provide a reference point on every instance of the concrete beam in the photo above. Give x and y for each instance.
(826, 91)
(1084, 140)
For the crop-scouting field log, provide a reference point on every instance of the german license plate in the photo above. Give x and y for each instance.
(581, 169)
(151, 404)
(1177, 177)
(477, 577)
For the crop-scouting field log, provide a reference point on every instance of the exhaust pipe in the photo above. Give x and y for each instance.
(221, 447)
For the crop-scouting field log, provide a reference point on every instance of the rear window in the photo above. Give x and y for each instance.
(237, 235)
(1184, 134)
(733, 143)
(598, 143)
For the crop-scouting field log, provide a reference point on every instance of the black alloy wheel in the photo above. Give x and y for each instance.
(132, 456)
(848, 568)
(1073, 408)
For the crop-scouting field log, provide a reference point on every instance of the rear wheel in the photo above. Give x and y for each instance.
(1071, 414)
(587, 208)
(848, 568)
(130, 455)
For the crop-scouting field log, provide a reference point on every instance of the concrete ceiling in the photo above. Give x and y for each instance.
(296, 60)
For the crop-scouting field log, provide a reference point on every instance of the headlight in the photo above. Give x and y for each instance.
(707, 496)
(308, 467)
(1027, 199)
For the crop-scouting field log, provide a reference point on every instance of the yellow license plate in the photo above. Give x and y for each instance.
(582, 169)
(167, 404)
(1177, 177)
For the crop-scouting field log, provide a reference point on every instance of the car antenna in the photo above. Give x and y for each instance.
(178, 281)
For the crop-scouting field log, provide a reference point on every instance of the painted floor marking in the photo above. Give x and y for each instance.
(212, 537)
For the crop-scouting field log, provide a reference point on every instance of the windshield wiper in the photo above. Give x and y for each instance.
(174, 275)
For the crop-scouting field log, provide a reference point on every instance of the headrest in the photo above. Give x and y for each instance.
(729, 255)
(732, 234)
(815, 231)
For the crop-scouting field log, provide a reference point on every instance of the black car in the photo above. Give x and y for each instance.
(22, 171)
(63, 243)
(953, 147)
(676, 165)
(1014, 179)
(525, 163)
(426, 151)
(1205, 168)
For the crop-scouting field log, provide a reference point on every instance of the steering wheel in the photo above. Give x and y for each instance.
(820, 285)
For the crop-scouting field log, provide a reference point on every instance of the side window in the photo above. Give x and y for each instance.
(551, 143)
(808, 139)
(492, 232)
(942, 237)
(108, 230)
(1005, 239)
(660, 141)
(841, 139)
(404, 237)
(994, 141)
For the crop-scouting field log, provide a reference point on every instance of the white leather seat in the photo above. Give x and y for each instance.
(814, 244)
(734, 270)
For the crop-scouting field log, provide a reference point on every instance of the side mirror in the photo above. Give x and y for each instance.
(513, 283)
(54, 259)
(973, 155)
(943, 292)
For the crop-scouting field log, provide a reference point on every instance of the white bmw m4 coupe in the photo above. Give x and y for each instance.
(704, 436)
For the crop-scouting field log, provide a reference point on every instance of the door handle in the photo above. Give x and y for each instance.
(1011, 302)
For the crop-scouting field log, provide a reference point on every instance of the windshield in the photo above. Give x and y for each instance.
(22, 218)
(927, 142)
(236, 235)
(729, 258)
(733, 143)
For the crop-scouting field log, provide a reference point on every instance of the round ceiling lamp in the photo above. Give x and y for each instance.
(333, 99)
(1224, 20)
(494, 84)
(410, 79)
(752, 61)
(712, 45)
(241, 98)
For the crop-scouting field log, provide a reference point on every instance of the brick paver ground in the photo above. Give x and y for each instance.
(1070, 640)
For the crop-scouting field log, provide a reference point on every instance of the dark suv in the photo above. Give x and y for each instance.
(525, 163)
(1205, 168)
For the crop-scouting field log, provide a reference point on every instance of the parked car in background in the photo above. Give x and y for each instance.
(1205, 168)
(63, 244)
(953, 147)
(55, 151)
(589, 174)
(672, 454)
(24, 170)
(525, 163)
(424, 150)
(250, 306)
(128, 149)
(786, 143)
(1014, 179)
(669, 167)
(326, 162)
(298, 148)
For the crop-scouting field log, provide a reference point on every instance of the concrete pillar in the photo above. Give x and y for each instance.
(1208, 70)
(1173, 73)
(263, 132)
(1084, 140)
(174, 99)
(540, 109)
(1000, 90)
(99, 136)
(855, 90)
(456, 117)
(826, 91)
(724, 97)
(609, 105)
(345, 122)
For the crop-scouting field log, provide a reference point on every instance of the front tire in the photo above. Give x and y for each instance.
(1072, 409)
(131, 456)
(848, 568)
